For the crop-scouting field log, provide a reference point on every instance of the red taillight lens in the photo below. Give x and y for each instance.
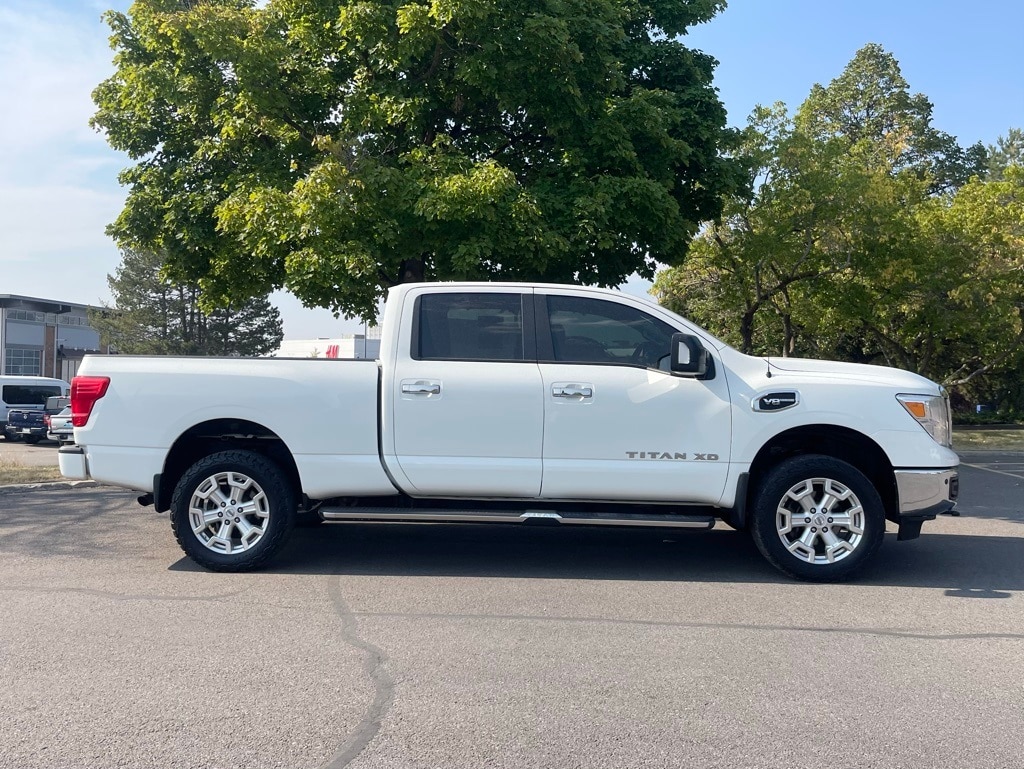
(85, 391)
(46, 419)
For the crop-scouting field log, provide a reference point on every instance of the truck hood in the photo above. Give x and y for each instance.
(883, 375)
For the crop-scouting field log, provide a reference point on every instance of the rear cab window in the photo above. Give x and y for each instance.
(470, 326)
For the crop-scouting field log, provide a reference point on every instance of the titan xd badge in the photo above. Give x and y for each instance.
(679, 456)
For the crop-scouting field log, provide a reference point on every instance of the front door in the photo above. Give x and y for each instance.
(617, 426)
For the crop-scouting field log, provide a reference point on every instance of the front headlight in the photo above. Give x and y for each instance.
(932, 413)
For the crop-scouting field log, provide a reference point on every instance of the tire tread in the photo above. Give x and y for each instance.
(762, 525)
(272, 540)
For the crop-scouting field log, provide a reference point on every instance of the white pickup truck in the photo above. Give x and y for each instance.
(522, 403)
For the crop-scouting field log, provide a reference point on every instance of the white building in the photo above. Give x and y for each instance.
(44, 337)
(344, 346)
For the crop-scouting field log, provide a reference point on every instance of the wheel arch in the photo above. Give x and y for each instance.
(836, 441)
(215, 435)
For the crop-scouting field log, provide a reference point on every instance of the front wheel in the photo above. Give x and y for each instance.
(817, 518)
(232, 511)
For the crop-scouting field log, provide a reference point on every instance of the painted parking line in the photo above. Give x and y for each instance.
(1019, 474)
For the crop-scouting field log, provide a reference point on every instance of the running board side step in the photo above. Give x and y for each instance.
(511, 516)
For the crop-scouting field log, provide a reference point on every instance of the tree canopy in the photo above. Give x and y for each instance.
(157, 316)
(338, 147)
(867, 234)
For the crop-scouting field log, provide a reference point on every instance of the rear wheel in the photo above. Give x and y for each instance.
(817, 518)
(233, 510)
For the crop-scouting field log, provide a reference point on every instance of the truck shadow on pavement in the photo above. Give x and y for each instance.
(106, 524)
(965, 565)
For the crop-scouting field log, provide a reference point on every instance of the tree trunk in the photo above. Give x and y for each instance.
(412, 270)
(788, 340)
(747, 331)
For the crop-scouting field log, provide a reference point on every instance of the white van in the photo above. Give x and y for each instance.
(27, 392)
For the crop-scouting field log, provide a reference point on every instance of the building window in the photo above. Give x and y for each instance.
(35, 317)
(23, 362)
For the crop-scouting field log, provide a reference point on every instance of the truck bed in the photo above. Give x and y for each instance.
(324, 410)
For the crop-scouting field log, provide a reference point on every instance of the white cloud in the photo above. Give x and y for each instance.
(50, 219)
(50, 61)
(58, 185)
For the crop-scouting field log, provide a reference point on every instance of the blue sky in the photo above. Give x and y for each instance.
(58, 187)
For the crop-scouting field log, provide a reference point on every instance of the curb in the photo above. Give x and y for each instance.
(47, 486)
(994, 426)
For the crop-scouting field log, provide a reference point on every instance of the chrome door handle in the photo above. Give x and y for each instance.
(572, 391)
(422, 389)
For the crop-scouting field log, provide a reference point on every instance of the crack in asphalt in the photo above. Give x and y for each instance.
(887, 633)
(117, 596)
(374, 663)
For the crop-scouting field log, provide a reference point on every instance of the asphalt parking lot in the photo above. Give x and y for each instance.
(38, 455)
(487, 646)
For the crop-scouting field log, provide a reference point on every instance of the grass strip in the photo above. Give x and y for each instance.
(988, 440)
(12, 472)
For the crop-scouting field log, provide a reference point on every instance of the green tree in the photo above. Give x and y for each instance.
(153, 315)
(843, 247)
(870, 103)
(1007, 151)
(339, 147)
(800, 223)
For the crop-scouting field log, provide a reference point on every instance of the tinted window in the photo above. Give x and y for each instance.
(25, 395)
(597, 331)
(469, 327)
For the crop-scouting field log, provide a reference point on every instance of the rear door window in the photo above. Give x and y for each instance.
(469, 326)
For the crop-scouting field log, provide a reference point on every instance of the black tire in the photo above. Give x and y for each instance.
(32, 439)
(819, 476)
(276, 503)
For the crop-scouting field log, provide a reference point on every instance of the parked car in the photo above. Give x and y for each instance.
(517, 403)
(30, 424)
(59, 427)
(26, 392)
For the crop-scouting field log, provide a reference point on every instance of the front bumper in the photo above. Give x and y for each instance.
(924, 494)
(927, 492)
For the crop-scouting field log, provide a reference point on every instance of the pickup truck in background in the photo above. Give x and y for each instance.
(30, 424)
(519, 403)
(59, 428)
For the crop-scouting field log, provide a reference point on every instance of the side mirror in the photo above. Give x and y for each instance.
(689, 358)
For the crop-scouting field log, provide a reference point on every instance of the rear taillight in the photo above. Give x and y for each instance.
(46, 419)
(85, 391)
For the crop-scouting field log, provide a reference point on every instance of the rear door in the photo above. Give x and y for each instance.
(467, 404)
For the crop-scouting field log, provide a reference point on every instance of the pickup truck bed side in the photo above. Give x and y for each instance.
(323, 411)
